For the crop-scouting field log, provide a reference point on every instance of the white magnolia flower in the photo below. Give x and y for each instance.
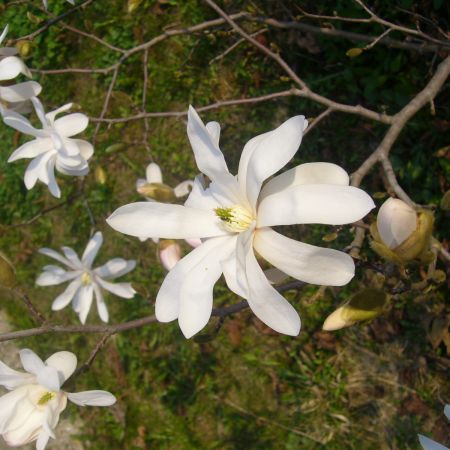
(52, 147)
(233, 216)
(396, 221)
(30, 412)
(429, 444)
(45, 2)
(84, 280)
(14, 96)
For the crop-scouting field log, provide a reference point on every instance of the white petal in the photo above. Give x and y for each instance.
(271, 152)
(20, 92)
(42, 440)
(309, 173)
(196, 291)
(200, 198)
(11, 66)
(183, 188)
(314, 203)
(395, 222)
(52, 114)
(92, 249)
(53, 277)
(208, 156)
(72, 256)
(447, 411)
(31, 149)
(64, 362)
(124, 290)
(20, 123)
(55, 255)
(214, 131)
(115, 268)
(71, 124)
(4, 33)
(30, 361)
(168, 298)
(429, 444)
(194, 242)
(92, 398)
(9, 405)
(101, 306)
(153, 173)
(305, 262)
(49, 378)
(165, 221)
(169, 255)
(66, 297)
(12, 379)
(236, 283)
(83, 302)
(36, 167)
(267, 304)
(52, 184)
(85, 148)
(40, 112)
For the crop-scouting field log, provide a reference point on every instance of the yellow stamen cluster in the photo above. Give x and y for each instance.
(235, 219)
(46, 398)
(86, 279)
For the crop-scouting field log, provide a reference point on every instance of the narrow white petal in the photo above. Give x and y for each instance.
(55, 255)
(214, 131)
(429, 444)
(52, 114)
(30, 361)
(115, 268)
(165, 221)
(314, 203)
(4, 33)
(92, 249)
(20, 92)
(51, 278)
(83, 302)
(305, 262)
(32, 149)
(52, 184)
(42, 440)
(36, 169)
(447, 411)
(153, 173)
(72, 256)
(92, 398)
(40, 112)
(12, 379)
(66, 297)
(124, 290)
(64, 362)
(71, 124)
(183, 188)
(20, 123)
(271, 153)
(208, 156)
(309, 173)
(234, 282)
(101, 305)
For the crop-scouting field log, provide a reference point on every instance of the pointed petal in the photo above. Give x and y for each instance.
(124, 290)
(305, 262)
(52, 184)
(71, 124)
(72, 256)
(314, 203)
(208, 156)
(53, 277)
(429, 444)
(271, 152)
(64, 362)
(101, 305)
(183, 188)
(83, 302)
(55, 255)
(20, 92)
(92, 398)
(92, 249)
(214, 131)
(115, 268)
(20, 123)
(32, 149)
(52, 114)
(309, 173)
(66, 297)
(144, 219)
(153, 173)
(4, 33)
(40, 112)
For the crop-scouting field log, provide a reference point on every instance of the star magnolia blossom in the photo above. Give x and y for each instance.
(429, 444)
(86, 281)
(233, 216)
(30, 412)
(52, 147)
(11, 66)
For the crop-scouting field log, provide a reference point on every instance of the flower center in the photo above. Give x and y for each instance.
(86, 279)
(46, 398)
(235, 219)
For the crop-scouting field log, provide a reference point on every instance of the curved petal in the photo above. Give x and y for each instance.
(51, 183)
(153, 219)
(53, 277)
(83, 301)
(124, 290)
(11, 66)
(49, 378)
(85, 148)
(66, 297)
(42, 440)
(309, 173)
(271, 152)
(72, 256)
(214, 131)
(40, 112)
(429, 444)
(30, 361)
(55, 255)
(20, 92)
(71, 124)
(200, 198)
(12, 379)
(101, 305)
(52, 114)
(92, 249)
(314, 203)
(305, 262)
(9, 405)
(4, 33)
(36, 169)
(92, 398)
(169, 254)
(208, 156)
(20, 123)
(32, 149)
(183, 188)
(115, 268)
(64, 362)
(153, 173)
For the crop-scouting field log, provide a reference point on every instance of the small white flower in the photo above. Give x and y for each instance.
(84, 280)
(429, 444)
(396, 221)
(45, 2)
(233, 216)
(52, 147)
(14, 96)
(30, 412)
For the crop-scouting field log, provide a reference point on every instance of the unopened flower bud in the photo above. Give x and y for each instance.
(24, 48)
(169, 253)
(157, 191)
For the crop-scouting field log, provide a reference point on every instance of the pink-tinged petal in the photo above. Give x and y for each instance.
(92, 398)
(92, 249)
(11, 66)
(66, 297)
(194, 242)
(183, 189)
(271, 152)
(208, 156)
(12, 379)
(305, 262)
(314, 203)
(153, 173)
(165, 221)
(309, 173)
(115, 268)
(20, 123)
(52, 114)
(196, 291)
(71, 124)
(64, 362)
(32, 149)
(20, 92)
(101, 305)
(267, 304)
(213, 129)
(124, 290)
(429, 444)
(169, 253)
